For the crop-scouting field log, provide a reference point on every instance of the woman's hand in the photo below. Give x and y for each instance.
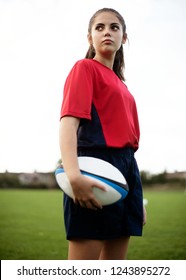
(83, 192)
(144, 215)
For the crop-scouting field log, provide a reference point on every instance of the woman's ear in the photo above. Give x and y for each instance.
(89, 37)
(124, 38)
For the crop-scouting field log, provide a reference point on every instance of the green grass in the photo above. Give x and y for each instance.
(31, 226)
(164, 235)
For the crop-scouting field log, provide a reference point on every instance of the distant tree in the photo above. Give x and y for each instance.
(9, 180)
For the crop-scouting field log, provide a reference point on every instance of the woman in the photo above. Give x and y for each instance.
(99, 119)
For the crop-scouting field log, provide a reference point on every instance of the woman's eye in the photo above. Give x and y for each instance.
(115, 27)
(99, 28)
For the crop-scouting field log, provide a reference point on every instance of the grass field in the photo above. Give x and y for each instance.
(31, 226)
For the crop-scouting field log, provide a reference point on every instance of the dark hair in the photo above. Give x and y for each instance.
(119, 63)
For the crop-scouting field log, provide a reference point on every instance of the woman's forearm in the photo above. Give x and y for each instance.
(68, 146)
(81, 185)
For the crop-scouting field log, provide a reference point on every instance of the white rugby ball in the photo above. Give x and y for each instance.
(101, 171)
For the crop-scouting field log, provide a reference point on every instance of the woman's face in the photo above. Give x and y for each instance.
(106, 34)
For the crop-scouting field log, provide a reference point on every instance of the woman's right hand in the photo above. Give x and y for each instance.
(83, 192)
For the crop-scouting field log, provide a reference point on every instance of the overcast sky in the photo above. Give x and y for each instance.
(40, 41)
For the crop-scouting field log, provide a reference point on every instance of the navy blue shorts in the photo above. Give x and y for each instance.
(124, 218)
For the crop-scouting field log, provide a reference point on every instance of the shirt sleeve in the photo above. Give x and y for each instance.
(78, 92)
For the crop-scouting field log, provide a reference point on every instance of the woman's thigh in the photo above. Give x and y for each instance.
(115, 249)
(84, 249)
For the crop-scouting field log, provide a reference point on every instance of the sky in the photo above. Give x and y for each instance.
(40, 40)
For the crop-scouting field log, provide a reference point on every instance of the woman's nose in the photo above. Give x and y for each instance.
(107, 34)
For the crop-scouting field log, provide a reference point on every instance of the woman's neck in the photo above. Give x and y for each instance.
(109, 62)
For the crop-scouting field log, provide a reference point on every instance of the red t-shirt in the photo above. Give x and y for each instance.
(107, 110)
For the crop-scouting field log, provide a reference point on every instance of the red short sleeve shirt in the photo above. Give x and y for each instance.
(106, 108)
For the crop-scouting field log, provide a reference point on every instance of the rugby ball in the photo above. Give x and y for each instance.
(101, 171)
